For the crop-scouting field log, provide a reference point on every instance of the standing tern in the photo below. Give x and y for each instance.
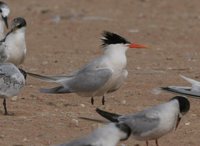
(153, 122)
(13, 46)
(194, 90)
(4, 11)
(12, 80)
(108, 135)
(102, 75)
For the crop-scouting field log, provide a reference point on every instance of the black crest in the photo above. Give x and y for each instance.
(19, 22)
(184, 103)
(112, 38)
(2, 4)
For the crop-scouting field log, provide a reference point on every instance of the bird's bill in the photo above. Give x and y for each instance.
(178, 122)
(136, 46)
(5, 19)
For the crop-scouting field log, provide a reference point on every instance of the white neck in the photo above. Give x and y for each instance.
(16, 46)
(117, 55)
(16, 37)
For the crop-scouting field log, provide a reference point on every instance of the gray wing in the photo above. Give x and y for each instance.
(3, 54)
(88, 80)
(141, 122)
(182, 90)
(85, 81)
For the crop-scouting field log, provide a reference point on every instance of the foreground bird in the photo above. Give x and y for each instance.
(194, 90)
(13, 46)
(4, 11)
(12, 80)
(102, 75)
(154, 122)
(108, 135)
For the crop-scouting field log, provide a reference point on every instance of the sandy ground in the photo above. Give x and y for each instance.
(62, 35)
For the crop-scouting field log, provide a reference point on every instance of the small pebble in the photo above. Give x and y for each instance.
(14, 98)
(75, 122)
(187, 124)
(123, 102)
(44, 62)
(82, 105)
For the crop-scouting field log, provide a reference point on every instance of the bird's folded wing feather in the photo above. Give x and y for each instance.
(88, 80)
(142, 122)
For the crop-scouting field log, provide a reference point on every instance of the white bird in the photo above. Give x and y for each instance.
(108, 135)
(194, 90)
(12, 80)
(13, 46)
(153, 122)
(4, 11)
(102, 75)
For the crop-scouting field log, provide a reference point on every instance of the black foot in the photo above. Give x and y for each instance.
(92, 101)
(103, 100)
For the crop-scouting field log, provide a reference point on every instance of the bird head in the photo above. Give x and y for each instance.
(18, 23)
(4, 10)
(110, 38)
(184, 107)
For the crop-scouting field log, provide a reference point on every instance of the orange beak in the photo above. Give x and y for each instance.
(133, 45)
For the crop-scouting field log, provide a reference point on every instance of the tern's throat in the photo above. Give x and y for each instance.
(17, 39)
(117, 55)
(16, 46)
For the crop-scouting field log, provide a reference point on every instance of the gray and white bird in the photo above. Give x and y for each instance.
(4, 11)
(154, 122)
(13, 46)
(12, 80)
(108, 135)
(193, 90)
(102, 75)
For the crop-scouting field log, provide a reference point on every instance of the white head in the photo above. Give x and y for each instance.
(112, 40)
(5, 11)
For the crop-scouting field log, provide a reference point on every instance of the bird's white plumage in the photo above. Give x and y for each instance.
(154, 122)
(13, 49)
(100, 76)
(5, 11)
(108, 135)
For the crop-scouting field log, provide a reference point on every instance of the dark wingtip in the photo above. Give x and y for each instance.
(23, 72)
(110, 116)
(165, 88)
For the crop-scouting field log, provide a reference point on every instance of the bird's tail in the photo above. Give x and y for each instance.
(191, 81)
(109, 116)
(47, 78)
(55, 90)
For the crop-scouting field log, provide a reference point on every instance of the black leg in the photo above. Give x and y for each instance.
(103, 100)
(92, 100)
(147, 143)
(5, 108)
(156, 142)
